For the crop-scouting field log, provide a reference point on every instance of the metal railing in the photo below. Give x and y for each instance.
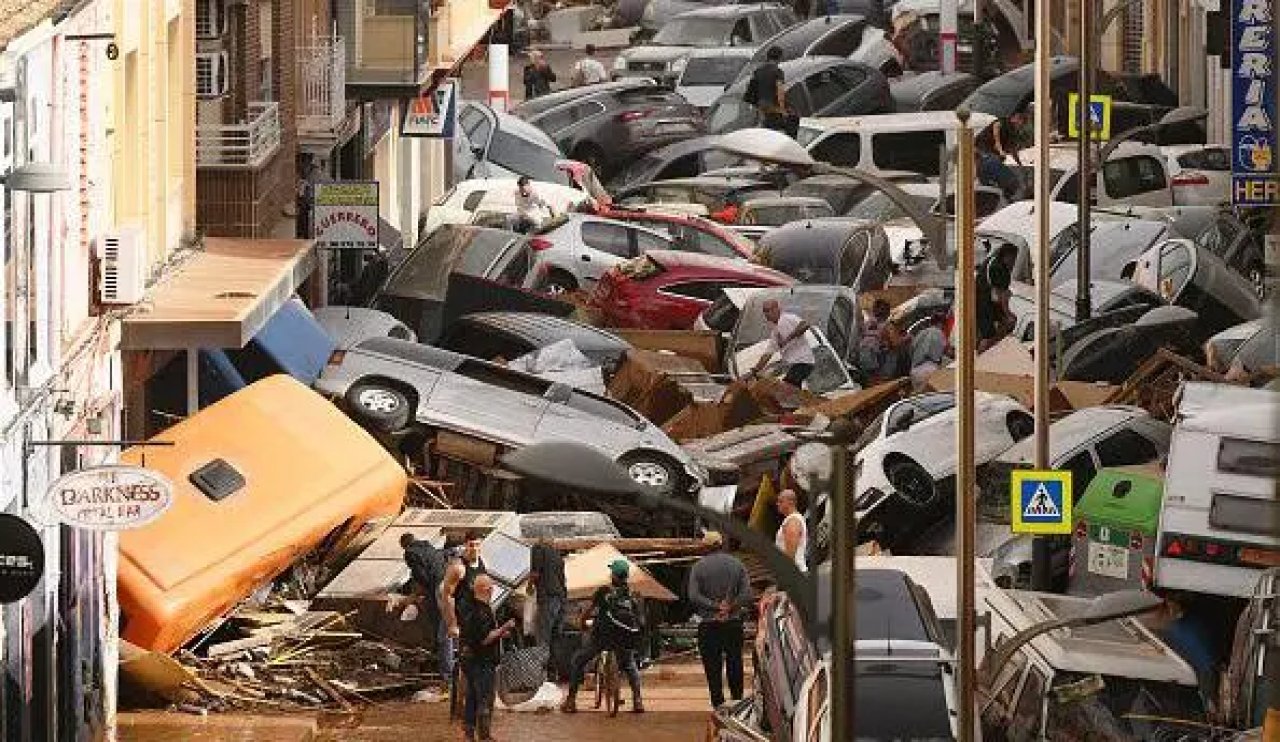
(322, 86)
(247, 144)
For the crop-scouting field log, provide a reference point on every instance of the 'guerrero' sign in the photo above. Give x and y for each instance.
(1254, 180)
(111, 498)
(346, 215)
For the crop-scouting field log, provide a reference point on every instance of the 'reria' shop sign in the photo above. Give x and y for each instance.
(111, 498)
(1255, 180)
(346, 215)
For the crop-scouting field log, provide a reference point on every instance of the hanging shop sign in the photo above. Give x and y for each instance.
(111, 498)
(1255, 180)
(433, 115)
(21, 558)
(345, 215)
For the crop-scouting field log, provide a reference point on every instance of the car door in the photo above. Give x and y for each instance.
(489, 401)
(826, 89)
(603, 244)
(576, 416)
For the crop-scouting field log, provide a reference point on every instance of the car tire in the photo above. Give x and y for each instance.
(559, 283)
(659, 473)
(378, 406)
(912, 483)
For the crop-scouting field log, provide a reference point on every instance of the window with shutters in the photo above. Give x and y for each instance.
(211, 74)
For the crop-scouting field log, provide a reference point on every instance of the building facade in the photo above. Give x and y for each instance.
(95, 92)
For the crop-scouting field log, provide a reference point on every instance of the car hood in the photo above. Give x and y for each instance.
(666, 54)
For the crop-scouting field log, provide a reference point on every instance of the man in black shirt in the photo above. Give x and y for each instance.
(617, 629)
(546, 575)
(992, 310)
(482, 648)
(770, 94)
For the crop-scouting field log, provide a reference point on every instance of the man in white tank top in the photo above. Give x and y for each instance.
(793, 534)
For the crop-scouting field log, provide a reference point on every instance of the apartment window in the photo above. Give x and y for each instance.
(266, 90)
(211, 74)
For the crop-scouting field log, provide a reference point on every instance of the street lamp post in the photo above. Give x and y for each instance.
(1085, 175)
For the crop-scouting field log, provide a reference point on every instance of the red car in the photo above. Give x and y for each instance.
(667, 289)
(692, 233)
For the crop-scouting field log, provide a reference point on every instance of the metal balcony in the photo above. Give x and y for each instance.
(246, 145)
(322, 93)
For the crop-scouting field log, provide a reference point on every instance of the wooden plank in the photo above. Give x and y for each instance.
(465, 448)
(225, 649)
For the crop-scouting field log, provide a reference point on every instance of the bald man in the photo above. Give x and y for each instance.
(792, 538)
(786, 340)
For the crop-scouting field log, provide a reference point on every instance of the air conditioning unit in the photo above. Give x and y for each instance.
(122, 255)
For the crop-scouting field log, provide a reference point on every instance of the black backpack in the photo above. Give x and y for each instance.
(426, 565)
(621, 614)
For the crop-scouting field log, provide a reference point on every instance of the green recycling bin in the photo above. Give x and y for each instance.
(1117, 518)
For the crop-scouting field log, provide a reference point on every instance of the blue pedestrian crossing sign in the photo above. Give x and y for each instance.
(1040, 501)
(1099, 117)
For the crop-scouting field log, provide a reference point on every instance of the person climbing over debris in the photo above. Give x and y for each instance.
(787, 340)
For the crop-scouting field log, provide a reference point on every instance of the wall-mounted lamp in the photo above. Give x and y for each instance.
(38, 177)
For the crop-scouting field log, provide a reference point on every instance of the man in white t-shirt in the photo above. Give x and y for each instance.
(793, 535)
(589, 70)
(787, 339)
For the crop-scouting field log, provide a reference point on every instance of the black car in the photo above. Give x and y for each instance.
(815, 86)
(838, 251)
(931, 91)
(457, 270)
(844, 193)
(610, 124)
(832, 35)
(509, 335)
(686, 159)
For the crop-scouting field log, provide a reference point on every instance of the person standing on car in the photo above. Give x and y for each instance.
(481, 649)
(546, 576)
(787, 339)
(767, 92)
(530, 207)
(538, 76)
(719, 590)
(792, 538)
(616, 628)
(589, 70)
(998, 143)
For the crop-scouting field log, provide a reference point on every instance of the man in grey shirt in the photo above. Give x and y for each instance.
(720, 590)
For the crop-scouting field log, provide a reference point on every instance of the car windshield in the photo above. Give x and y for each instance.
(524, 157)
(776, 216)
(694, 32)
(909, 698)
(727, 112)
(878, 207)
(712, 70)
(812, 307)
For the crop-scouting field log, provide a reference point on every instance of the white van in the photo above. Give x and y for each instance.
(885, 142)
(1220, 522)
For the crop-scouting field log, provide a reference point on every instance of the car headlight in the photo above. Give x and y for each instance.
(678, 65)
(867, 500)
(619, 63)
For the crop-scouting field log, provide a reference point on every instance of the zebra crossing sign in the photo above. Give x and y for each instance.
(1040, 501)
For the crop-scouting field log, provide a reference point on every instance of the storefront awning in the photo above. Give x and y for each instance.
(220, 296)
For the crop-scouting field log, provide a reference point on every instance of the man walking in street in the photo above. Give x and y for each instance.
(787, 339)
(792, 538)
(538, 76)
(767, 93)
(457, 596)
(719, 590)
(481, 649)
(616, 628)
(546, 577)
(589, 70)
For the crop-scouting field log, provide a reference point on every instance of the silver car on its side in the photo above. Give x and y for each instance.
(393, 386)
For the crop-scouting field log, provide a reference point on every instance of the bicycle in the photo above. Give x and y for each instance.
(608, 682)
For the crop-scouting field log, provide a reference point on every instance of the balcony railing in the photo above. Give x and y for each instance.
(322, 86)
(249, 144)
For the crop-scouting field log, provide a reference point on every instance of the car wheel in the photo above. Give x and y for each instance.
(912, 482)
(378, 406)
(652, 470)
(559, 283)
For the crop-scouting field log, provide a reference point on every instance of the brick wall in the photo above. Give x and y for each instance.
(249, 203)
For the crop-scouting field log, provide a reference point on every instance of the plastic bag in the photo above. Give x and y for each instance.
(547, 698)
(529, 615)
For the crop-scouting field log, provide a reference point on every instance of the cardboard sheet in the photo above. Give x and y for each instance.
(589, 570)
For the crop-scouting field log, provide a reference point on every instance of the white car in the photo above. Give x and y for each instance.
(1134, 173)
(1201, 174)
(479, 199)
(580, 248)
(911, 448)
(707, 72)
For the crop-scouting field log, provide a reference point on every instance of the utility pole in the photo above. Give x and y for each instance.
(1085, 148)
(966, 504)
(1044, 115)
(948, 35)
(843, 580)
(499, 77)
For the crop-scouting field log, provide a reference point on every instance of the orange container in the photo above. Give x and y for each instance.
(293, 470)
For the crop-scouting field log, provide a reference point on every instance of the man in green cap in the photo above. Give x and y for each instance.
(616, 628)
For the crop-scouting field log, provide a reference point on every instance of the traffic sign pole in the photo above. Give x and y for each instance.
(1043, 94)
(1085, 145)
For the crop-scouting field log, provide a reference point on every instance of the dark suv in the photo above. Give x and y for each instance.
(610, 124)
